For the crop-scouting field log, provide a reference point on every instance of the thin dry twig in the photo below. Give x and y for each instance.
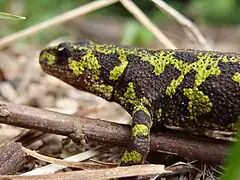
(65, 162)
(51, 168)
(142, 18)
(12, 158)
(193, 147)
(101, 173)
(55, 21)
(185, 22)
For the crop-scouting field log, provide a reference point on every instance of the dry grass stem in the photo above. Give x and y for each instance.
(185, 22)
(82, 10)
(51, 168)
(101, 173)
(143, 19)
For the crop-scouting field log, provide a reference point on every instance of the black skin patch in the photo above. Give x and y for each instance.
(229, 68)
(142, 119)
(108, 62)
(79, 54)
(224, 93)
(186, 56)
(174, 109)
(225, 111)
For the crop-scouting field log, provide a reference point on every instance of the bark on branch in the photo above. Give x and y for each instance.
(203, 149)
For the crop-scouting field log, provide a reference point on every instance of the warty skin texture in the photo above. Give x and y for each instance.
(186, 88)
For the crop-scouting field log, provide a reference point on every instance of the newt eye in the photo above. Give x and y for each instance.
(63, 53)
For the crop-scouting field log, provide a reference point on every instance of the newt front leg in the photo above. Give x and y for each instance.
(140, 139)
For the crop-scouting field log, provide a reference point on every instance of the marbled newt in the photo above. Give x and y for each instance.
(184, 88)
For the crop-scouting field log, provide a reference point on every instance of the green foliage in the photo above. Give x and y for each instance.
(35, 12)
(208, 11)
(216, 11)
(135, 33)
(232, 169)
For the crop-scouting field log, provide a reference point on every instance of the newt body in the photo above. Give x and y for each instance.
(184, 88)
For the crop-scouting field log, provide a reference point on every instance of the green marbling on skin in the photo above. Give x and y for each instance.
(118, 70)
(50, 57)
(236, 77)
(140, 129)
(107, 90)
(79, 66)
(130, 99)
(199, 103)
(132, 156)
(186, 88)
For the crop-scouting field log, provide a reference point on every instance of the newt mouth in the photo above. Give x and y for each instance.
(63, 73)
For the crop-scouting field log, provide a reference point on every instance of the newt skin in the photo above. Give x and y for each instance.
(185, 88)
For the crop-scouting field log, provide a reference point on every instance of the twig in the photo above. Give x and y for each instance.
(51, 168)
(58, 164)
(12, 157)
(184, 21)
(142, 18)
(55, 21)
(193, 147)
(99, 174)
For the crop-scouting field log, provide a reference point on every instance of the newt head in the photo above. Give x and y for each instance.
(76, 64)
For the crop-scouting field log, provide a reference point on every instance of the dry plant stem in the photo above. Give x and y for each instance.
(193, 147)
(51, 168)
(184, 21)
(142, 18)
(12, 157)
(66, 163)
(90, 7)
(99, 174)
(58, 123)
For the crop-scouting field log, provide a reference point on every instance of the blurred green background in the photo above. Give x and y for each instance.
(209, 12)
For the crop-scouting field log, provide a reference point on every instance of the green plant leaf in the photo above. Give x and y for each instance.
(10, 16)
(144, 35)
(232, 168)
(130, 32)
(135, 33)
